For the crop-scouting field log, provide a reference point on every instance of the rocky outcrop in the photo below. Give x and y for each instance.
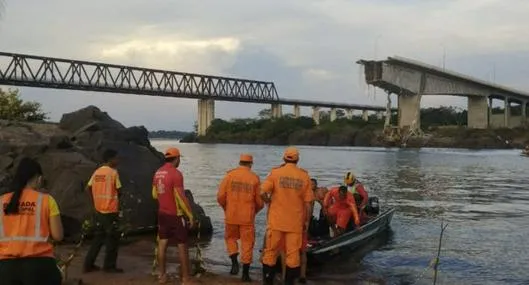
(69, 153)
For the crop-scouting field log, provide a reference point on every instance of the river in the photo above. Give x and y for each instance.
(482, 195)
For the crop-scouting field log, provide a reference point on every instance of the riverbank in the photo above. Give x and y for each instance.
(136, 260)
(344, 132)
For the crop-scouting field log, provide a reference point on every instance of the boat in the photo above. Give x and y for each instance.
(321, 249)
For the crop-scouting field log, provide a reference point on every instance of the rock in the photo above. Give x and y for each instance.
(76, 120)
(5, 162)
(60, 142)
(4, 148)
(206, 227)
(69, 153)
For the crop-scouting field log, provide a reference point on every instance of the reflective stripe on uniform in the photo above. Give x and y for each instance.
(352, 189)
(107, 195)
(36, 237)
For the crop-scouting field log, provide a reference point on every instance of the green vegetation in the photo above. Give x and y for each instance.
(341, 132)
(290, 130)
(13, 108)
(167, 134)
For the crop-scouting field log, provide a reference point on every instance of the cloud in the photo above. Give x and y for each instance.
(307, 47)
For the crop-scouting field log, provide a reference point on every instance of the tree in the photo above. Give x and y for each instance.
(265, 114)
(13, 108)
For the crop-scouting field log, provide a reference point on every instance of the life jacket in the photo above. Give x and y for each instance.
(25, 234)
(352, 188)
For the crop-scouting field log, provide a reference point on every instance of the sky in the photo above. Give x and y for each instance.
(307, 48)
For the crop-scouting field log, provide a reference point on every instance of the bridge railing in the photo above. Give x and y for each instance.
(47, 72)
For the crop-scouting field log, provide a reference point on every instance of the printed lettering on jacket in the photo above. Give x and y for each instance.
(24, 207)
(287, 182)
(237, 186)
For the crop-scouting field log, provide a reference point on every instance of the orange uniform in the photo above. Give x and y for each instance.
(290, 189)
(239, 196)
(358, 188)
(105, 184)
(339, 209)
(26, 234)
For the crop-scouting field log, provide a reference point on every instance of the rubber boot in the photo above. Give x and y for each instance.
(234, 264)
(268, 275)
(291, 275)
(246, 273)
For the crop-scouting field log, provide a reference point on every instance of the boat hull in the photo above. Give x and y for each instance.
(351, 240)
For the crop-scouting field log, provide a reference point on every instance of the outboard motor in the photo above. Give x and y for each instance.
(372, 207)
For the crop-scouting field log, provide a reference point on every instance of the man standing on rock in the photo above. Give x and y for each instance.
(168, 189)
(288, 190)
(239, 196)
(104, 187)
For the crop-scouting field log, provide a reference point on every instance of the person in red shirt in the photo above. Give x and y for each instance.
(356, 188)
(168, 189)
(359, 193)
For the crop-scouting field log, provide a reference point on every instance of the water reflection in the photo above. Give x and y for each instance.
(482, 194)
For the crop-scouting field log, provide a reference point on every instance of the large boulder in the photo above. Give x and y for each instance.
(71, 151)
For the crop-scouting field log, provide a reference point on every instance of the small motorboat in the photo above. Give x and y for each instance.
(321, 248)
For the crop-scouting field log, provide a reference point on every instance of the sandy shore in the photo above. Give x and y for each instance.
(136, 259)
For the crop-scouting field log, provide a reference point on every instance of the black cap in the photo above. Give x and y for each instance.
(342, 189)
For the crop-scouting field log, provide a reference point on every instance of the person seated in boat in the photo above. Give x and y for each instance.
(356, 188)
(339, 205)
(319, 227)
(526, 150)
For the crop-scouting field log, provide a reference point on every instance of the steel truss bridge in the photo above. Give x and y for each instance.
(57, 73)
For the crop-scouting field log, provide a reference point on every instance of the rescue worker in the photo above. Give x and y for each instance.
(239, 196)
(168, 189)
(288, 190)
(339, 205)
(356, 188)
(28, 218)
(319, 195)
(104, 187)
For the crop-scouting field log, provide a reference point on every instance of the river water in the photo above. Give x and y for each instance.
(482, 195)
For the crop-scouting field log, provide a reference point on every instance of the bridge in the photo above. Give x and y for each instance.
(57, 73)
(411, 79)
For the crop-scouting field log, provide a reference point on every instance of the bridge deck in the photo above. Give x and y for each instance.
(57, 73)
(454, 78)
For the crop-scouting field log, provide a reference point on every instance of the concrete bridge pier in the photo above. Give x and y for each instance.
(506, 111)
(332, 115)
(349, 114)
(478, 112)
(276, 111)
(206, 114)
(524, 113)
(409, 111)
(365, 115)
(316, 115)
(296, 111)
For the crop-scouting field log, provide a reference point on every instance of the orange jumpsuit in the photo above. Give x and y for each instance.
(339, 209)
(239, 196)
(290, 189)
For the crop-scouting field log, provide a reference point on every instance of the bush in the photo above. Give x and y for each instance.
(12, 108)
